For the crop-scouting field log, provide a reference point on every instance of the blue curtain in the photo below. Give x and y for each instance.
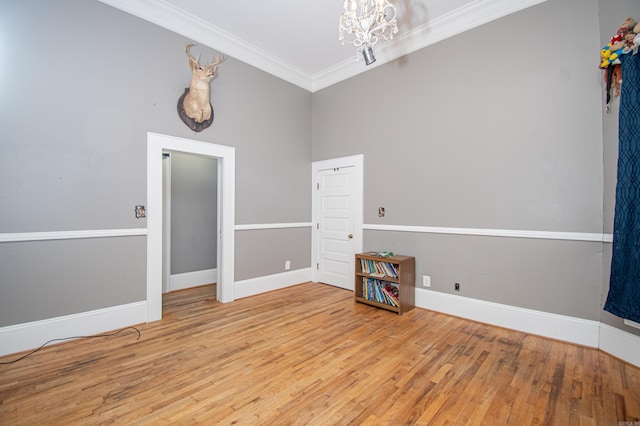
(624, 285)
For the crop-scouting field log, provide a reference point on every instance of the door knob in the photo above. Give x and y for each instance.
(350, 235)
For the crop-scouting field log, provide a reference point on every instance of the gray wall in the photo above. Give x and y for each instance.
(48, 279)
(81, 84)
(485, 130)
(268, 250)
(612, 13)
(488, 129)
(194, 216)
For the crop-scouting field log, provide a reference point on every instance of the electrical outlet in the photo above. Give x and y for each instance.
(456, 287)
(426, 281)
(287, 265)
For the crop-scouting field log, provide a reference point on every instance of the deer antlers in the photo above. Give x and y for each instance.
(195, 63)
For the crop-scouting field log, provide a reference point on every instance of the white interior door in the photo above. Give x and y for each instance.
(338, 223)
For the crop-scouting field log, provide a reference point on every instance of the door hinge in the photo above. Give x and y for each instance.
(318, 226)
(317, 186)
(317, 266)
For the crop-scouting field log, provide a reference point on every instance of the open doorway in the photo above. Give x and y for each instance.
(190, 215)
(156, 145)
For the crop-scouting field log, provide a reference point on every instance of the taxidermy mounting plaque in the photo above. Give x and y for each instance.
(194, 106)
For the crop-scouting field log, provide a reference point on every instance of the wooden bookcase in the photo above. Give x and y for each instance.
(385, 272)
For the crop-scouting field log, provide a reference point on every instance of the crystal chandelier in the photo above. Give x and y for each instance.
(369, 21)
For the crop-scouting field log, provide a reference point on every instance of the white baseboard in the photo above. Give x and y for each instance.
(561, 327)
(193, 279)
(21, 337)
(259, 285)
(620, 344)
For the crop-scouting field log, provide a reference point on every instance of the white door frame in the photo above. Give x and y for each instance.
(356, 161)
(156, 143)
(166, 222)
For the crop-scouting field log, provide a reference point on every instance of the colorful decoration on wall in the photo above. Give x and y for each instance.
(626, 40)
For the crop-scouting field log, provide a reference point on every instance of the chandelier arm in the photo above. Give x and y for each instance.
(387, 23)
(391, 7)
(382, 26)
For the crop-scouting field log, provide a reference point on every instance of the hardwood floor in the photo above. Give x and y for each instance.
(308, 355)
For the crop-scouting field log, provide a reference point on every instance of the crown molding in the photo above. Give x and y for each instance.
(470, 16)
(167, 16)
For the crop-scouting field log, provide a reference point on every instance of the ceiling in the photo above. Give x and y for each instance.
(297, 40)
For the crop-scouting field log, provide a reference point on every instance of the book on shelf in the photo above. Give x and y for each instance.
(380, 291)
(378, 269)
(390, 297)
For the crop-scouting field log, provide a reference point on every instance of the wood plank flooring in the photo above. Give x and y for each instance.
(307, 355)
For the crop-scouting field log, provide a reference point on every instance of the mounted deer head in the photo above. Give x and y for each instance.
(194, 106)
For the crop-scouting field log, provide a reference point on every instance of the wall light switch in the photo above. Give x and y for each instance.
(287, 265)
